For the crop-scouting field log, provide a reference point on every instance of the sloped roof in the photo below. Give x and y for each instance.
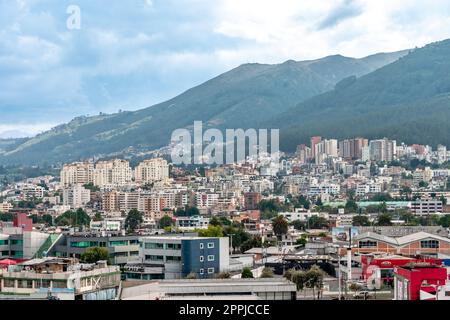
(401, 241)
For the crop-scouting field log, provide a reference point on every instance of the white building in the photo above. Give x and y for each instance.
(152, 170)
(112, 173)
(76, 196)
(77, 173)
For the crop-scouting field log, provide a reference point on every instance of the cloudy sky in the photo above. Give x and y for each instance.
(132, 54)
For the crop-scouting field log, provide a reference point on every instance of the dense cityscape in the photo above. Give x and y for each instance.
(350, 219)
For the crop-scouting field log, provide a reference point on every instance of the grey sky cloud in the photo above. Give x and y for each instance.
(133, 54)
(347, 9)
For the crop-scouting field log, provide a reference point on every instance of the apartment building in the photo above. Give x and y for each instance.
(122, 249)
(76, 196)
(112, 173)
(176, 257)
(426, 207)
(150, 171)
(252, 200)
(77, 173)
(78, 282)
(31, 191)
(191, 223)
(383, 150)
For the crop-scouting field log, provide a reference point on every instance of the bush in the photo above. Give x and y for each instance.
(246, 273)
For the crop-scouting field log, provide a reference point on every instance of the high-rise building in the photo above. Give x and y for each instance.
(112, 173)
(152, 170)
(76, 196)
(352, 149)
(383, 150)
(303, 153)
(77, 173)
(314, 141)
(252, 200)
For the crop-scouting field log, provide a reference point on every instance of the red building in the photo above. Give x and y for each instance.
(420, 282)
(381, 267)
(21, 220)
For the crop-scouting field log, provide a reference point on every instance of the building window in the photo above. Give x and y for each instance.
(171, 259)
(210, 245)
(211, 258)
(202, 258)
(173, 246)
(154, 258)
(202, 246)
(27, 284)
(152, 245)
(84, 244)
(17, 254)
(368, 244)
(118, 243)
(4, 242)
(9, 283)
(17, 242)
(429, 244)
(210, 270)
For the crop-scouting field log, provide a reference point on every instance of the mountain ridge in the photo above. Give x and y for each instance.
(242, 97)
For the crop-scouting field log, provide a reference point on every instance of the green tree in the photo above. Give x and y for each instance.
(314, 280)
(214, 221)
(134, 220)
(98, 217)
(212, 231)
(384, 219)
(444, 221)
(165, 221)
(360, 221)
(351, 206)
(316, 222)
(280, 226)
(298, 225)
(6, 217)
(302, 241)
(246, 273)
(77, 218)
(95, 254)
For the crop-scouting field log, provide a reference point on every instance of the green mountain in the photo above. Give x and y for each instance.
(241, 98)
(408, 100)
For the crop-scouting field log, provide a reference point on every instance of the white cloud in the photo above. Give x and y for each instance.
(132, 54)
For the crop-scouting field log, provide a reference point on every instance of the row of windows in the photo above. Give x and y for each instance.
(429, 244)
(426, 244)
(210, 258)
(210, 245)
(4, 242)
(162, 246)
(28, 284)
(156, 258)
(210, 271)
(89, 244)
(368, 244)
